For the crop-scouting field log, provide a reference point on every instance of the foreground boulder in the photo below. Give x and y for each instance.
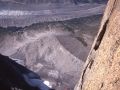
(15, 77)
(102, 68)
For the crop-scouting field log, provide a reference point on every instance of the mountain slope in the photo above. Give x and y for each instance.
(25, 15)
(47, 57)
(57, 1)
(53, 50)
(21, 13)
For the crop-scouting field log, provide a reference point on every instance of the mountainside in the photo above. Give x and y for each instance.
(49, 37)
(102, 68)
(53, 50)
(21, 13)
(57, 1)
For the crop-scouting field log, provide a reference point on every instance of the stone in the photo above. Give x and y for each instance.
(102, 68)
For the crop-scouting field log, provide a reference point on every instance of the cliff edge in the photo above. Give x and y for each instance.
(102, 68)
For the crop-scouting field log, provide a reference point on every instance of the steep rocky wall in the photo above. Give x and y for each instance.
(102, 68)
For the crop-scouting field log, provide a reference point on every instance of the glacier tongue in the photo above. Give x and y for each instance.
(25, 17)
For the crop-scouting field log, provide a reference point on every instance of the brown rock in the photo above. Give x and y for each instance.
(102, 68)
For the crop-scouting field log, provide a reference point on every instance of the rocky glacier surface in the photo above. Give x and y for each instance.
(21, 15)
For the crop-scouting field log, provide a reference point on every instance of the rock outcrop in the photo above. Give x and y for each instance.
(12, 76)
(102, 68)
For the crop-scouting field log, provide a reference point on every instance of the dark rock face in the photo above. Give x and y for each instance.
(11, 75)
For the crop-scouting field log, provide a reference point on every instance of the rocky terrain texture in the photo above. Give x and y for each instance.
(56, 1)
(19, 13)
(56, 51)
(11, 76)
(102, 68)
(51, 38)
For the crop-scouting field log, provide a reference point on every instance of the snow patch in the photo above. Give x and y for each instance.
(47, 83)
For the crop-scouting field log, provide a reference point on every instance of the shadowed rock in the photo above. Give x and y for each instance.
(12, 76)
